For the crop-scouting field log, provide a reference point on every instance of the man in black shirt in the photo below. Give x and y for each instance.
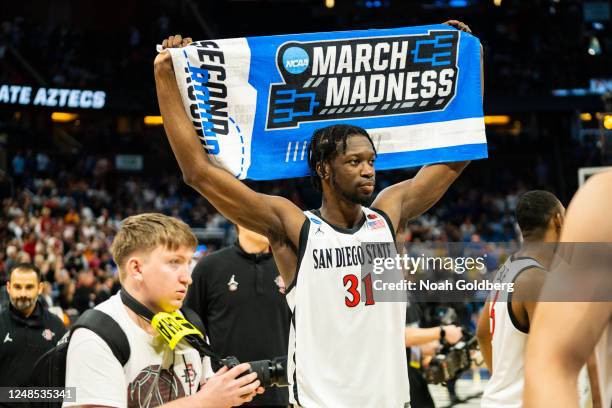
(239, 295)
(27, 328)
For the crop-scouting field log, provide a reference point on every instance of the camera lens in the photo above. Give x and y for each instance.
(262, 369)
(278, 372)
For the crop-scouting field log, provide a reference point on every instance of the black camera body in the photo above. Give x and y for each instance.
(451, 361)
(269, 372)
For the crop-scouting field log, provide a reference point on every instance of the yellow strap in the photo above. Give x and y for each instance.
(173, 327)
(415, 364)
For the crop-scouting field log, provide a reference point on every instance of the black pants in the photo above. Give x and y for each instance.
(419, 393)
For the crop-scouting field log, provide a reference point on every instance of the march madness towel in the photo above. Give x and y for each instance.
(256, 101)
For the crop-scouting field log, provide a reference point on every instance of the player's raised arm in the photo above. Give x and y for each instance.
(411, 198)
(464, 27)
(275, 217)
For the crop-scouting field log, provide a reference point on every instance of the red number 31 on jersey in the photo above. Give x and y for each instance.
(354, 297)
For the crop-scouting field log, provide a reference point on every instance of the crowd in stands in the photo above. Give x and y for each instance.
(62, 217)
(64, 221)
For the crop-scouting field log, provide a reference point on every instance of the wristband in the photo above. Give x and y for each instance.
(442, 335)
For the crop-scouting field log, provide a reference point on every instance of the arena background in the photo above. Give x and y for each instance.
(69, 175)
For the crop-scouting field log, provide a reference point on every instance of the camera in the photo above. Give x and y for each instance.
(451, 361)
(269, 372)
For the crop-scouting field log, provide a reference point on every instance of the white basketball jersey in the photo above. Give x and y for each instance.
(505, 388)
(345, 350)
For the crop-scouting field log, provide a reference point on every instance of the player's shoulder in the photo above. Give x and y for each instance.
(530, 277)
(597, 187)
(587, 209)
(603, 178)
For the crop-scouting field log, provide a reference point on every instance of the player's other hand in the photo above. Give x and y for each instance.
(176, 41)
(163, 61)
(458, 25)
(453, 333)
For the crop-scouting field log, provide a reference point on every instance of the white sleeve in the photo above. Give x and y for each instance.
(207, 370)
(92, 368)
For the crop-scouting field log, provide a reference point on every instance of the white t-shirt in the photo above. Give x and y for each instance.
(100, 379)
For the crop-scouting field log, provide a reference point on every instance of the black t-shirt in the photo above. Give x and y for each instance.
(240, 298)
(24, 340)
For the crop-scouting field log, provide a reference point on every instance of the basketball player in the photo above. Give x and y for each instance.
(343, 351)
(565, 333)
(504, 323)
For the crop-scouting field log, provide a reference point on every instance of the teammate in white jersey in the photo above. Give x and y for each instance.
(344, 351)
(565, 333)
(504, 323)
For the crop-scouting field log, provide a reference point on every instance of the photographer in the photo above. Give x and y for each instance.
(153, 253)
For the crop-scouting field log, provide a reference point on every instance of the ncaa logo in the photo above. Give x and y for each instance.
(295, 60)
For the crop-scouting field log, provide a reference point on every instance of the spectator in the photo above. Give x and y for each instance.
(27, 328)
(19, 166)
(11, 257)
(85, 294)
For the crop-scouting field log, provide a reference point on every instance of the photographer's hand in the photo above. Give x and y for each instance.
(453, 334)
(225, 389)
(430, 349)
(416, 336)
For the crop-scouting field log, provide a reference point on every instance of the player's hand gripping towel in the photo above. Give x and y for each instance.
(256, 101)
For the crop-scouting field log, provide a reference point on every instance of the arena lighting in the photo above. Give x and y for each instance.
(594, 46)
(153, 120)
(607, 122)
(63, 117)
(586, 117)
(497, 120)
(330, 3)
(497, 2)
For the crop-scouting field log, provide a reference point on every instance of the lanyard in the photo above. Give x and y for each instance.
(172, 326)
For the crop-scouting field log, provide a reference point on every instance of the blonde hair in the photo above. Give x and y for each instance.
(145, 232)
